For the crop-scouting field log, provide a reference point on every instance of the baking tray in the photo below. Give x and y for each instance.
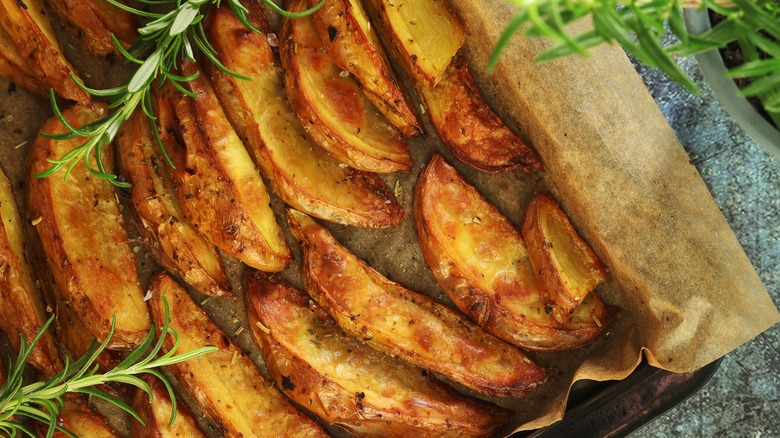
(617, 408)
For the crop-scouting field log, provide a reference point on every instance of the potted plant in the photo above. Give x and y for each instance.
(752, 26)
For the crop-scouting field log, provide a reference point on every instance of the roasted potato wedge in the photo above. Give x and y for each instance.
(480, 260)
(225, 383)
(82, 233)
(407, 324)
(347, 383)
(426, 34)
(346, 34)
(172, 239)
(331, 106)
(21, 307)
(300, 172)
(79, 419)
(94, 21)
(565, 265)
(219, 188)
(157, 415)
(31, 31)
(14, 68)
(469, 128)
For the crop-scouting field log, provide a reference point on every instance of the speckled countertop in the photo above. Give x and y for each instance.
(743, 397)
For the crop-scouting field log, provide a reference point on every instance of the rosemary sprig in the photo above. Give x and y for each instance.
(637, 25)
(167, 38)
(42, 401)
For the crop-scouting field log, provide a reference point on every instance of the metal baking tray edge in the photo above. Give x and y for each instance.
(617, 408)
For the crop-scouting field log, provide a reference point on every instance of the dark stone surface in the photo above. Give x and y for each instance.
(743, 397)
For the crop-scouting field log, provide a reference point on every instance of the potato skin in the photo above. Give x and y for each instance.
(21, 307)
(346, 34)
(219, 188)
(171, 238)
(225, 383)
(94, 21)
(157, 415)
(347, 383)
(14, 68)
(480, 260)
(31, 31)
(331, 106)
(470, 129)
(299, 171)
(82, 233)
(565, 266)
(407, 324)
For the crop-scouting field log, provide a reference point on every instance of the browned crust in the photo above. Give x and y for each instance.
(302, 53)
(94, 21)
(351, 385)
(441, 187)
(171, 239)
(100, 288)
(285, 158)
(44, 59)
(364, 304)
(353, 51)
(224, 383)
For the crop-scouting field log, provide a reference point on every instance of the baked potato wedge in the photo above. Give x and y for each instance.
(426, 34)
(331, 106)
(407, 324)
(31, 31)
(156, 413)
(346, 34)
(94, 21)
(14, 68)
(82, 233)
(79, 419)
(345, 382)
(21, 307)
(565, 266)
(481, 261)
(225, 383)
(469, 128)
(171, 238)
(301, 173)
(219, 188)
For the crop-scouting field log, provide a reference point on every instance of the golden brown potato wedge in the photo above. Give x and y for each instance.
(219, 188)
(21, 307)
(346, 34)
(83, 236)
(347, 383)
(225, 383)
(171, 238)
(31, 30)
(469, 128)
(407, 324)
(157, 415)
(94, 21)
(565, 265)
(14, 68)
(300, 172)
(426, 34)
(331, 106)
(480, 260)
(79, 419)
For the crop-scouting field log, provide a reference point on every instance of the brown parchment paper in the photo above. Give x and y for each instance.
(686, 290)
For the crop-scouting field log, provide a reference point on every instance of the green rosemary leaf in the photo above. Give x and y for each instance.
(288, 14)
(139, 351)
(114, 401)
(145, 72)
(755, 68)
(764, 85)
(184, 18)
(586, 40)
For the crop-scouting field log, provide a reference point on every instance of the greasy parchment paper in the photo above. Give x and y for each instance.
(687, 292)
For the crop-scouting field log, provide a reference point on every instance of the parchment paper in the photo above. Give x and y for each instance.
(686, 290)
